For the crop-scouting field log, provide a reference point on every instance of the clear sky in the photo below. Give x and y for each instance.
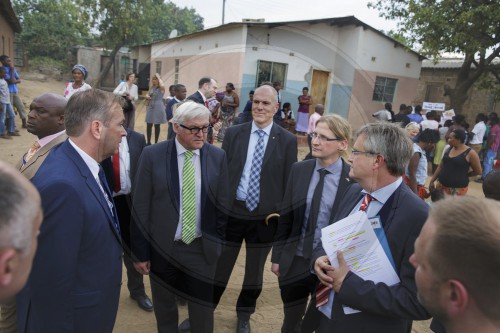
(285, 10)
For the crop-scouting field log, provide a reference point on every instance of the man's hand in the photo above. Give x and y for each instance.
(275, 268)
(338, 274)
(322, 267)
(143, 267)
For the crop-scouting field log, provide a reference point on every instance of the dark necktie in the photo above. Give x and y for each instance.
(253, 192)
(322, 292)
(108, 196)
(313, 214)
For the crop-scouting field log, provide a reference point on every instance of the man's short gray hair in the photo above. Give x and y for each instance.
(87, 106)
(18, 213)
(390, 141)
(190, 110)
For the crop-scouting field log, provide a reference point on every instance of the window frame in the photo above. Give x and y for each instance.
(381, 93)
(270, 77)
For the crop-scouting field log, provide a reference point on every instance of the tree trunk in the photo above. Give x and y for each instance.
(107, 67)
(467, 76)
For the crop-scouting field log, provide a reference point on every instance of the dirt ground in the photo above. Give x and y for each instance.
(131, 319)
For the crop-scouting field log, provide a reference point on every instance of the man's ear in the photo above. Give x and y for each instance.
(7, 258)
(457, 298)
(96, 129)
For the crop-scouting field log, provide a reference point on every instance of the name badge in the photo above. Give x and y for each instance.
(375, 222)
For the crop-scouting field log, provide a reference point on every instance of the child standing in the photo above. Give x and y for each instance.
(6, 108)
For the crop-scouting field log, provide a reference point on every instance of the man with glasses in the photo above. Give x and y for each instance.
(378, 161)
(314, 190)
(178, 199)
(260, 155)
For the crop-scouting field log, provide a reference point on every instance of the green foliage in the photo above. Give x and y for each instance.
(469, 27)
(464, 26)
(184, 20)
(48, 62)
(51, 27)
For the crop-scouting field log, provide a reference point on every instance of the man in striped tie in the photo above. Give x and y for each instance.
(46, 121)
(378, 160)
(179, 196)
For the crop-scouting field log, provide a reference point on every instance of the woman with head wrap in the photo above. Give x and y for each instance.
(79, 75)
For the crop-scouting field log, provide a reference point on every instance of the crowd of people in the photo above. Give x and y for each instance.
(180, 210)
(457, 153)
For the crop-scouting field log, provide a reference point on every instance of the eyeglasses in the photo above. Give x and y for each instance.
(321, 138)
(360, 152)
(196, 130)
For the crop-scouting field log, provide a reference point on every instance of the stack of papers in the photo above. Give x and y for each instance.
(366, 255)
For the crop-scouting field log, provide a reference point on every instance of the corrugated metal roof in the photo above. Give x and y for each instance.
(446, 63)
(334, 21)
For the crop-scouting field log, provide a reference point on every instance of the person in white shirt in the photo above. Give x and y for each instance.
(129, 91)
(479, 130)
(431, 121)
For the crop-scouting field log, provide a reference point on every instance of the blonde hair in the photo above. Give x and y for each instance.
(412, 126)
(339, 126)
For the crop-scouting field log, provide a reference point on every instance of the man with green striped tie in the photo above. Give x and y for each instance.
(180, 191)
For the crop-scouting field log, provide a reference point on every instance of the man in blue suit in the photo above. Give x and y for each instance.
(75, 282)
(179, 196)
(378, 160)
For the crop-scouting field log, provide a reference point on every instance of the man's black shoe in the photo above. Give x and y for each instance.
(144, 302)
(185, 326)
(243, 326)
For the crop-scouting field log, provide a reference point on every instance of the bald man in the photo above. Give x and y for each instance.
(46, 121)
(19, 223)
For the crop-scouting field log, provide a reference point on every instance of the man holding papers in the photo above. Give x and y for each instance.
(311, 199)
(378, 160)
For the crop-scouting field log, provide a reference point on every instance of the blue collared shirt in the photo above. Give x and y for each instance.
(325, 208)
(241, 192)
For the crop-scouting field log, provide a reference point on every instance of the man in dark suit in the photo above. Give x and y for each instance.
(76, 277)
(260, 155)
(178, 199)
(315, 188)
(207, 87)
(46, 121)
(120, 172)
(378, 160)
(179, 96)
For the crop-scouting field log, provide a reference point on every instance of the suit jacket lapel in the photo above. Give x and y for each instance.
(204, 175)
(274, 138)
(92, 185)
(43, 151)
(344, 182)
(388, 210)
(172, 172)
(242, 144)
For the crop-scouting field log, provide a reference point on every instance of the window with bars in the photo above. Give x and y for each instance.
(271, 72)
(158, 67)
(384, 90)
